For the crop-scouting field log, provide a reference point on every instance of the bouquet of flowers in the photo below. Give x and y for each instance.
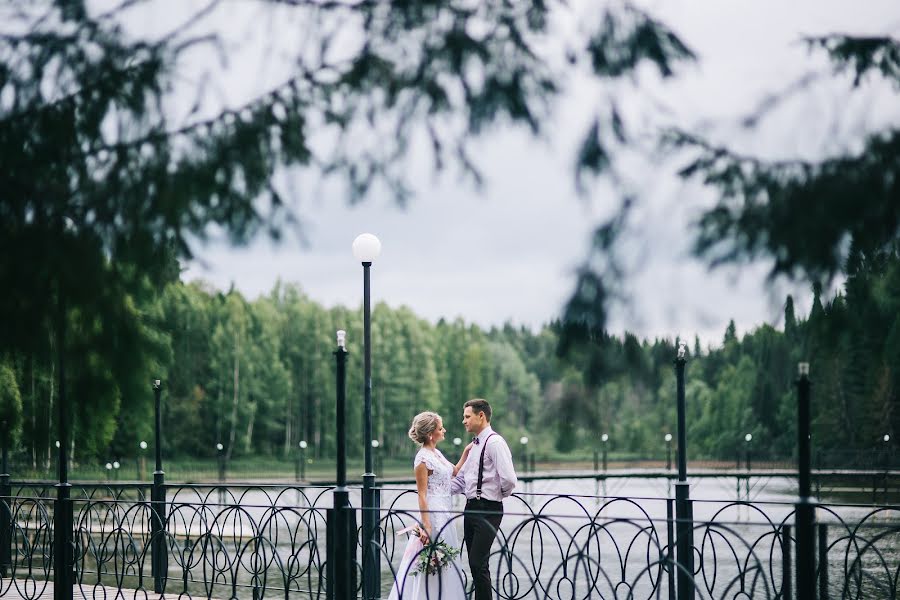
(434, 557)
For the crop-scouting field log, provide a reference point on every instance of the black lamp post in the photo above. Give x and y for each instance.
(668, 438)
(5, 503)
(341, 576)
(109, 471)
(301, 458)
(605, 439)
(142, 461)
(375, 457)
(748, 438)
(524, 441)
(456, 443)
(116, 466)
(220, 460)
(63, 558)
(366, 248)
(684, 511)
(804, 511)
(158, 559)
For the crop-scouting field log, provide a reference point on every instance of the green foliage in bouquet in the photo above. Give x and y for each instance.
(435, 557)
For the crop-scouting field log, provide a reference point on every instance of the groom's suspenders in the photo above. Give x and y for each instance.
(481, 467)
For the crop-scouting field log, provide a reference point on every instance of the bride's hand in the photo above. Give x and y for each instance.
(425, 533)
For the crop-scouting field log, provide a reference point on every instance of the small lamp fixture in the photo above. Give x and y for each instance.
(604, 438)
(143, 445)
(303, 444)
(668, 437)
(748, 437)
(523, 440)
(366, 247)
(342, 339)
(803, 369)
(375, 443)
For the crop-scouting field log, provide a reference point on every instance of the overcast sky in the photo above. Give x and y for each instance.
(508, 253)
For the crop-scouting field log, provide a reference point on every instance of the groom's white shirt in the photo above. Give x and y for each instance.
(499, 474)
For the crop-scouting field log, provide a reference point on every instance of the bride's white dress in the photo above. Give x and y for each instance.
(449, 584)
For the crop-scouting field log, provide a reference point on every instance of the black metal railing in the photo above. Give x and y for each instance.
(257, 541)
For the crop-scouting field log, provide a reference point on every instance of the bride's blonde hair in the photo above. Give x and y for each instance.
(423, 425)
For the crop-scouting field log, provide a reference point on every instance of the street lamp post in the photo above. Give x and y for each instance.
(302, 460)
(220, 460)
(605, 439)
(804, 512)
(63, 556)
(684, 510)
(341, 576)
(109, 471)
(116, 466)
(142, 461)
(456, 443)
(366, 248)
(524, 441)
(5, 503)
(748, 438)
(668, 439)
(375, 456)
(158, 562)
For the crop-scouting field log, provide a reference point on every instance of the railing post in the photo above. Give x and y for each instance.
(158, 558)
(804, 514)
(684, 511)
(62, 539)
(823, 561)
(5, 509)
(786, 573)
(670, 546)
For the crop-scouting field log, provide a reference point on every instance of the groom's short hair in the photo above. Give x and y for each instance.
(480, 405)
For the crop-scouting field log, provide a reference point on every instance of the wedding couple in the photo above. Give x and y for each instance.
(485, 474)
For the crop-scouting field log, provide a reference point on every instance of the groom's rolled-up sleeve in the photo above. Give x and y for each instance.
(458, 484)
(505, 470)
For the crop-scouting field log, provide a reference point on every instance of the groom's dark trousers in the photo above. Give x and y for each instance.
(480, 525)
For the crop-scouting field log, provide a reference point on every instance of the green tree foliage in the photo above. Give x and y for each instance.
(10, 404)
(258, 377)
(800, 214)
(105, 185)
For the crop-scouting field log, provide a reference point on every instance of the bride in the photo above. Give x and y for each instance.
(433, 475)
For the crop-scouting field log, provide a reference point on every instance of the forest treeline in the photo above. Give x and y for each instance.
(258, 377)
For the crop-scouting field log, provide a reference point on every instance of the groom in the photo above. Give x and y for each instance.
(486, 479)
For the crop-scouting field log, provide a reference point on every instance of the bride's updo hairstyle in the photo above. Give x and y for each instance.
(423, 425)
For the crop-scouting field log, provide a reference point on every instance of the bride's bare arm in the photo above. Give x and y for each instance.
(422, 489)
(462, 459)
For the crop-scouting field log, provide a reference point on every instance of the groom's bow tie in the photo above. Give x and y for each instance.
(475, 440)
